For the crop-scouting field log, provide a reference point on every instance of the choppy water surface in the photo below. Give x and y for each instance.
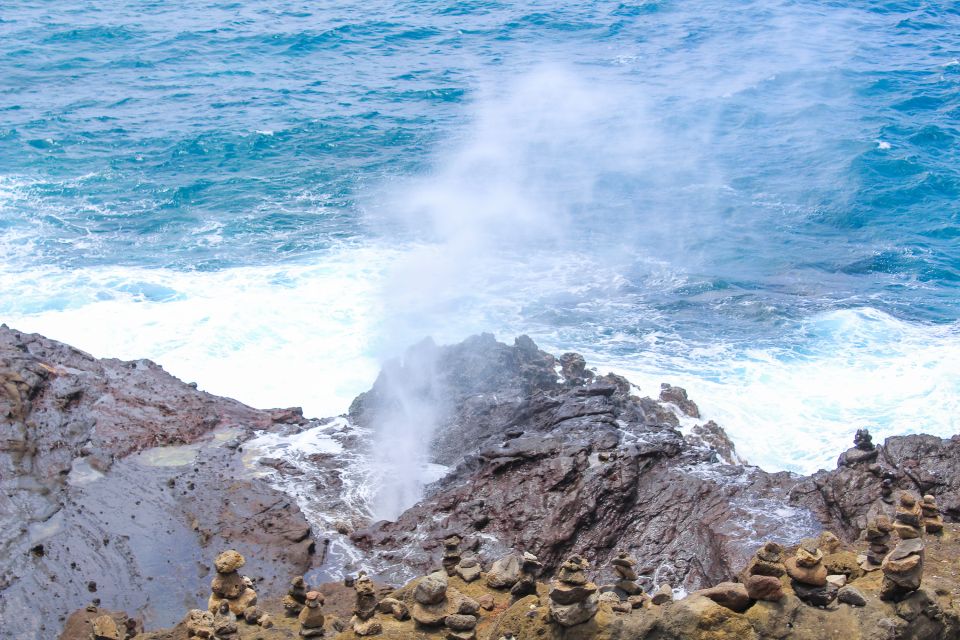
(757, 200)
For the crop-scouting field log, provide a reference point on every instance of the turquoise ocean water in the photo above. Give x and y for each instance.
(756, 200)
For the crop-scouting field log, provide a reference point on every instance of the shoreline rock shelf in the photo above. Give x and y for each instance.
(602, 469)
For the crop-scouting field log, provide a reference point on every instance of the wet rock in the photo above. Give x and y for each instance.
(678, 396)
(573, 368)
(89, 419)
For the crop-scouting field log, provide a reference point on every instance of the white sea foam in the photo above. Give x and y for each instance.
(273, 336)
(796, 407)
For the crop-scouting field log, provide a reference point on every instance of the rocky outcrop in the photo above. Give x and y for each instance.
(575, 463)
(115, 481)
(554, 461)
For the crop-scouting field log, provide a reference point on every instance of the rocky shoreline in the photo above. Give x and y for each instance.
(120, 483)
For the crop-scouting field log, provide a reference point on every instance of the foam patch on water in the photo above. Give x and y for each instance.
(296, 335)
(797, 406)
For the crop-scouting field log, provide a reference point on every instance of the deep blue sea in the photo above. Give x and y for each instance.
(755, 199)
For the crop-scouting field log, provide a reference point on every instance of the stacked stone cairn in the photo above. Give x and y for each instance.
(809, 575)
(573, 598)
(451, 554)
(526, 584)
(229, 586)
(311, 616)
(902, 570)
(433, 608)
(763, 573)
(365, 607)
(468, 568)
(625, 567)
(296, 597)
(878, 537)
(903, 567)
(908, 520)
(932, 520)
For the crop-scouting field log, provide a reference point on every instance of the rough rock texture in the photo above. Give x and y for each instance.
(551, 465)
(560, 467)
(581, 465)
(84, 514)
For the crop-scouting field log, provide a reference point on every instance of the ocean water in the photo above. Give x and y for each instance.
(755, 200)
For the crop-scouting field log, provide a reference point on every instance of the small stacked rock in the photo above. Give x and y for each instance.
(763, 573)
(365, 607)
(296, 596)
(527, 583)
(105, 628)
(451, 554)
(199, 625)
(468, 568)
(863, 450)
(809, 575)
(311, 617)
(908, 519)
(902, 570)
(625, 566)
(573, 598)
(863, 440)
(224, 622)
(878, 536)
(886, 488)
(932, 520)
(430, 597)
(462, 626)
(229, 586)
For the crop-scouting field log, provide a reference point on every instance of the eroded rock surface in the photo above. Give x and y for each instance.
(575, 463)
(115, 480)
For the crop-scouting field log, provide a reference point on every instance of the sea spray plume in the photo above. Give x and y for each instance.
(408, 397)
(546, 179)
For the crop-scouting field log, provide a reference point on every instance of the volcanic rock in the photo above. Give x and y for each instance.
(468, 568)
(504, 573)
(573, 598)
(761, 587)
(932, 520)
(902, 569)
(732, 595)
